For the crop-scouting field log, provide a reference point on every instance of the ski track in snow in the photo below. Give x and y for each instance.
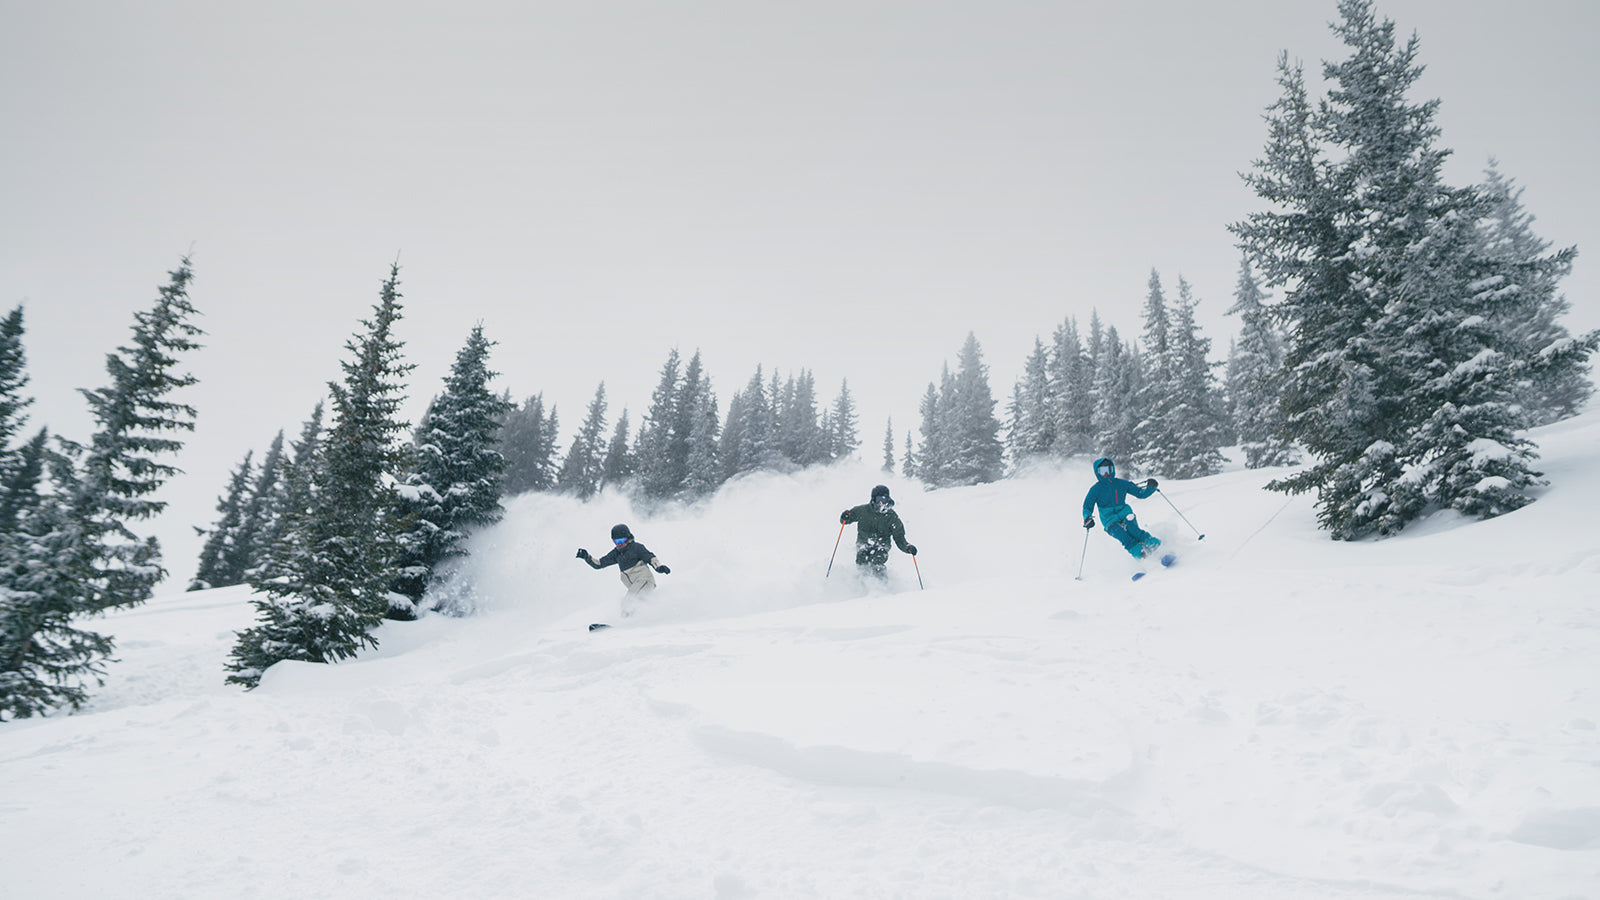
(1279, 716)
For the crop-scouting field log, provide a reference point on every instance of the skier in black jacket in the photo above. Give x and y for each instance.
(637, 563)
(876, 525)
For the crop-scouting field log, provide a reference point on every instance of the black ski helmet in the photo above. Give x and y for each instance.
(621, 531)
(882, 491)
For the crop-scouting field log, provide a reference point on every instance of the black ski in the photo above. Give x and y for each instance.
(598, 626)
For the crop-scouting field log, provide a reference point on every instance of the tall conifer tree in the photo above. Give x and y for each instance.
(457, 476)
(1400, 380)
(328, 587)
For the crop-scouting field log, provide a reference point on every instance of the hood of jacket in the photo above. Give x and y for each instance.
(1105, 461)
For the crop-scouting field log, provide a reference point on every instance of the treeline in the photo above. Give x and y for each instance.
(684, 449)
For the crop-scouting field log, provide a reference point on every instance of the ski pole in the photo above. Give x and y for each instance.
(835, 550)
(1084, 556)
(1179, 512)
(919, 572)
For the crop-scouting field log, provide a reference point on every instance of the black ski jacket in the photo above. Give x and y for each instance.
(627, 556)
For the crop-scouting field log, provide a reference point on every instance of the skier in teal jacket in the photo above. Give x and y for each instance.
(1111, 493)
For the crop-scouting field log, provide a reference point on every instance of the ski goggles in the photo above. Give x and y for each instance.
(619, 541)
(1105, 470)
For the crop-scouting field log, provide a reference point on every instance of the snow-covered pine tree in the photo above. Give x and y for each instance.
(1071, 375)
(657, 477)
(908, 460)
(528, 442)
(580, 469)
(1154, 437)
(843, 438)
(292, 495)
(806, 444)
(13, 379)
(704, 474)
(888, 445)
(74, 554)
(975, 452)
(250, 549)
(457, 474)
(730, 455)
(327, 586)
(1116, 412)
(618, 465)
(1030, 430)
(931, 459)
(1198, 426)
(1557, 385)
(1400, 380)
(19, 493)
(1255, 377)
(208, 574)
(758, 427)
(686, 409)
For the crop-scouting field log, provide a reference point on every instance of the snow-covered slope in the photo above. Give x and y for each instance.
(1278, 716)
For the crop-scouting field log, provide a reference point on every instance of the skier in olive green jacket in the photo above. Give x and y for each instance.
(876, 525)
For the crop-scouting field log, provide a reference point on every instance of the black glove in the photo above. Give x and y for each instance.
(663, 570)
(1088, 521)
(1150, 483)
(911, 549)
(583, 554)
(844, 517)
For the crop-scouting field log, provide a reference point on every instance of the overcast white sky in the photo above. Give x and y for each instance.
(848, 187)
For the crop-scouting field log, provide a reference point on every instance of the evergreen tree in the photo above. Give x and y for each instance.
(658, 478)
(692, 393)
(888, 446)
(327, 586)
(757, 443)
(1116, 389)
(843, 437)
(932, 457)
(731, 452)
(291, 497)
(977, 454)
(219, 543)
(74, 554)
(458, 474)
(528, 442)
(581, 469)
(908, 463)
(1070, 386)
(1155, 431)
(1255, 377)
(704, 471)
(19, 493)
(251, 547)
(1557, 382)
(618, 466)
(1400, 379)
(1198, 425)
(1031, 430)
(801, 439)
(13, 378)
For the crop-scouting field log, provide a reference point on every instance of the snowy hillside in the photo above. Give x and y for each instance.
(1278, 716)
